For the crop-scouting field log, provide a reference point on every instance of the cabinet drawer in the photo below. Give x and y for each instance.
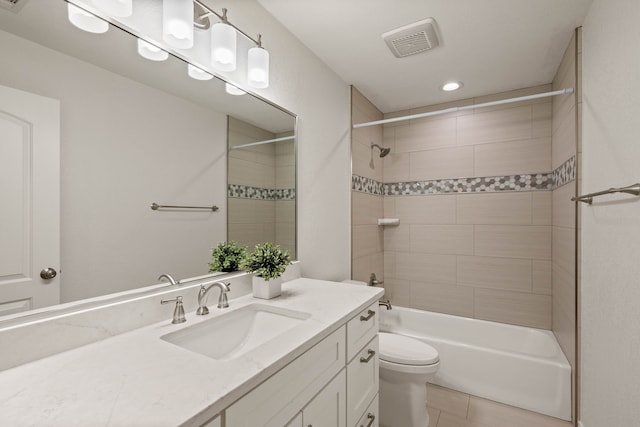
(361, 329)
(371, 417)
(362, 381)
(277, 400)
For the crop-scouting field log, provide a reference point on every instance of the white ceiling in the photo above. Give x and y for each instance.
(490, 45)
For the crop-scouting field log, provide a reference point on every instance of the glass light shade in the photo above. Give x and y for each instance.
(232, 90)
(198, 74)
(223, 46)
(258, 68)
(86, 21)
(119, 8)
(151, 52)
(177, 23)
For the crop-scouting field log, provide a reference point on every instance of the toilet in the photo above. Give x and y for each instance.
(405, 366)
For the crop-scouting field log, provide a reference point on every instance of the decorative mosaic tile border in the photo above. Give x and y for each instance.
(565, 173)
(257, 193)
(489, 184)
(362, 184)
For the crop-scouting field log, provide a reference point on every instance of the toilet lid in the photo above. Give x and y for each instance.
(405, 350)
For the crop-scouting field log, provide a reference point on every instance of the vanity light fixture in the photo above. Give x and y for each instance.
(86, 21)
(177, 23)
(151, 52)
(451, 86)
(197, 73)
(233, 90)
(223, 44)
(258, 66)
(119, 8)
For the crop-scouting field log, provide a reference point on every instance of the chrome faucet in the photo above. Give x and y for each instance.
(386, 304)
(169, 278)
(202, 297)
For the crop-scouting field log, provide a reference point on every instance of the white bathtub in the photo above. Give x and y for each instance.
(516, 365)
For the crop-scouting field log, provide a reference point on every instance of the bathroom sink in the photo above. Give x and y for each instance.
(235, 333)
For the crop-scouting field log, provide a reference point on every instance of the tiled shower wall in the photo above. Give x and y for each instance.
(478, 247)
(366, 207)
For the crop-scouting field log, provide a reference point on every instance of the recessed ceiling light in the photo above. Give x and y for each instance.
(451, 86)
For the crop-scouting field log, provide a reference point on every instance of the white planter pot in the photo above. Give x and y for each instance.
(267, 289)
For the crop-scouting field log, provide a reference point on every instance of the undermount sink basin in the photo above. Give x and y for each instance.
(235, 333)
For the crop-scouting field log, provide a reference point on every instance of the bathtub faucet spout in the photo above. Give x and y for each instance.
(386, 304)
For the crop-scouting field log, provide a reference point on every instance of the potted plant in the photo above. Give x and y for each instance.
(268, 262)
(227, 257)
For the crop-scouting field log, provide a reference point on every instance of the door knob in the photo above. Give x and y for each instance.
(48, 273)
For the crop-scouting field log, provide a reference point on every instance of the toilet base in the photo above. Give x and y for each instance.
(403, 404)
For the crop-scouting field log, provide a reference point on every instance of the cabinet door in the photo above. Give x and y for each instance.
(277, 400)
(328, 408)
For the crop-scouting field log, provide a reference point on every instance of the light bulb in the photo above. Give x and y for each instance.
(151, 52)
(177, 23)
(223, 46)
(86, 21)
(258, 67)
(119, 8)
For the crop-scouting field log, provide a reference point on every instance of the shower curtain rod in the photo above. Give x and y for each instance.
(268, 141)
(467, 107)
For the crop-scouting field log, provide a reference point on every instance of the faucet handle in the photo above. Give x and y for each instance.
(223, 302)
(178, 312)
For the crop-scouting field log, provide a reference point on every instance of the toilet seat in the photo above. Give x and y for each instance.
(401, 350)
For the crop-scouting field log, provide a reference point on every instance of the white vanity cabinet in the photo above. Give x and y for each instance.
(334, 384)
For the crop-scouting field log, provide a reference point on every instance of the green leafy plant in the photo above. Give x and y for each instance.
(227, 256)
(267, 261)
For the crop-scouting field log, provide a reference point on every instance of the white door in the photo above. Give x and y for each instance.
(29, 200)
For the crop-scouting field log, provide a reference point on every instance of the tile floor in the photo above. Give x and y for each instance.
(450, 408)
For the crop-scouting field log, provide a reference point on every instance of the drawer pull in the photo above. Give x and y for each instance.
(370, 314)
(371, 419)
(368, 358)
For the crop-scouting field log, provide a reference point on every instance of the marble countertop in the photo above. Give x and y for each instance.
(137, 379)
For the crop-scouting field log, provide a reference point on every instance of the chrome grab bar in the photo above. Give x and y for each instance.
(155, 207)
(588, 198)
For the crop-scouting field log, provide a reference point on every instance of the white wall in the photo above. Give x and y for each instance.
(610, 311)
(301, 83)
(125, 145)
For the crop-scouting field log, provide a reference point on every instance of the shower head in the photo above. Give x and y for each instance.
(383, 151)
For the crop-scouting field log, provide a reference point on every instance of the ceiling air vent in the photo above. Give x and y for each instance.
(413, 38)
(12, 5)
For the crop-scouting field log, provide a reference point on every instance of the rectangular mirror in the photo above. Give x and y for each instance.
(132, 132)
